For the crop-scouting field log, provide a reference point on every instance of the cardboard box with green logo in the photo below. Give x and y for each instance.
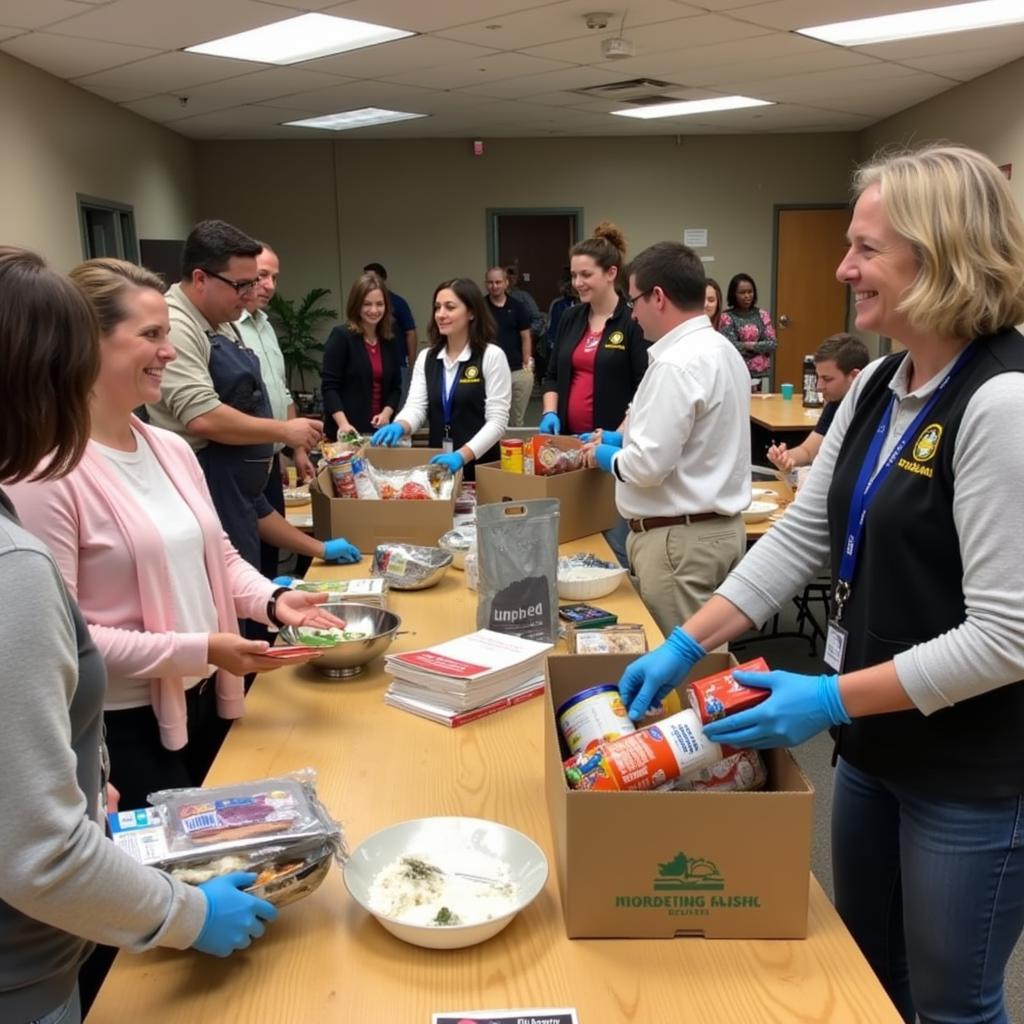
(367, 523)
(668, 864)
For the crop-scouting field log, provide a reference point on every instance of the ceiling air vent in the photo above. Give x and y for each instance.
(640, 92)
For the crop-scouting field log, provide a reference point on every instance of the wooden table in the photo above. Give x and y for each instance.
(773, 412)
(300, 516)
(756, 530)
(325, 960)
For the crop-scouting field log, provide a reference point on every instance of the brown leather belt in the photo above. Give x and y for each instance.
(655, 522)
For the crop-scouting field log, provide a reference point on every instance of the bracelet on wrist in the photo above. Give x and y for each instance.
(272, 606)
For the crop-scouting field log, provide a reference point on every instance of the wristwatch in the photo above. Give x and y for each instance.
(272, 606)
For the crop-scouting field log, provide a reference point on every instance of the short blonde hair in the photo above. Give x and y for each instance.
(955, 208)
(105, 281)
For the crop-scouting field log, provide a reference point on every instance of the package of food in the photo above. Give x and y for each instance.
(517, 565)
(719, 695)
(409, 566)
(275, 827)
(554, 454)
(365, 591)
(420, 483)
(740, 772)
(623, 638)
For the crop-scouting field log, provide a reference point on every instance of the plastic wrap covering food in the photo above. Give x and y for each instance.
(277, 828)
(410, 566)
(345, 459)
(554, 455)
(740, 772)
(623, 638)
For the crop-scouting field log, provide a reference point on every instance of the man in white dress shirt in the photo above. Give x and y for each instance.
(683, 469)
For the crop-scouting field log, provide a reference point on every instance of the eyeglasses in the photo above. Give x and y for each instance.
(240, 286)
(634, 299)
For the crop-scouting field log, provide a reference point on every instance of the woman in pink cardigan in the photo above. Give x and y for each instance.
(141, 549)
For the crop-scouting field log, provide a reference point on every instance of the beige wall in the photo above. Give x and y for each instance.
(419, 207)
(59, 141)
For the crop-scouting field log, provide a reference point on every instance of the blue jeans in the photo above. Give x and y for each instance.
(68, 1012)
(932, 890)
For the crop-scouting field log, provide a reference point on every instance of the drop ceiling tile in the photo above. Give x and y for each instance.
(9, 32)
(417, 16)
(492, 68)
(170, 24)
(268, 84)
(549, 82)
(170, 72)
(964, 66)
(352, 95)
(36, 13)
(794, 14)
(734, 78)
(1008, 37)
(399, 56)
(69, 58)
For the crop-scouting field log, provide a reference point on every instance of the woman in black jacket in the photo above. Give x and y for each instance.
(361, 378)
(600, 351)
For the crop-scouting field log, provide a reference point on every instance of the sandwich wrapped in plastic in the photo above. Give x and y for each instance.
(277, 828)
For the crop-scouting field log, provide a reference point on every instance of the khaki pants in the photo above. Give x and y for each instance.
(522, 388)
(679, 567)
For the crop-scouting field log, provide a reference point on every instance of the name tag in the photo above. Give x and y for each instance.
(835, 646)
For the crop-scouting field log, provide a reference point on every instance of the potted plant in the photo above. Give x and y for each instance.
(296, 325)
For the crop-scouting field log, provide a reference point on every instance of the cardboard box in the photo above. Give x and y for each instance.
(369, 523)
(586, 496)
(666, 865)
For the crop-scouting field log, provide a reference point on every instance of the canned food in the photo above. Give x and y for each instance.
(592, 717)
(650, 758)
(512, 455)
(719, 695)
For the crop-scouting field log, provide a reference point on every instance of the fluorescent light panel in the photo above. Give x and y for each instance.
(679, 108)
(297, 39)
(933, 21)
(346, 119)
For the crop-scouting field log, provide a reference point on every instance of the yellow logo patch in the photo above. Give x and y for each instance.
(928, 443)
(472, 372)
(616, 338)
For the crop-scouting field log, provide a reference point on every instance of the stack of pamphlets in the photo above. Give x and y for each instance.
(467, 678)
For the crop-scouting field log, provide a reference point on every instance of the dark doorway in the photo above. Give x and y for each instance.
(538, 243)
(163, 256)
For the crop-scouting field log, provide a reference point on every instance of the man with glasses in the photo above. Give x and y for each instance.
(213, 394)
(682, 462)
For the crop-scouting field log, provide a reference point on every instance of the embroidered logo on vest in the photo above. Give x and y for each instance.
(928, 443)
(615, 340)
(471, 375)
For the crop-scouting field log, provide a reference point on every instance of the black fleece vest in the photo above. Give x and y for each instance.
(908, 588)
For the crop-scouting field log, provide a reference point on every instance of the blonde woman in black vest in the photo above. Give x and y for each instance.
(461, 385)
(915, 499)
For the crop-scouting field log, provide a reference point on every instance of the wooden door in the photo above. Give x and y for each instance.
(537, 243)
(809, 304)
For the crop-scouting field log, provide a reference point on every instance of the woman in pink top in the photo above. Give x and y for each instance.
(141, 549)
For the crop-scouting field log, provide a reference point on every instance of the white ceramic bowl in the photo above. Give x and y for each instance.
(588, 582)
(759, 511)
(528, 869)
(294, 496)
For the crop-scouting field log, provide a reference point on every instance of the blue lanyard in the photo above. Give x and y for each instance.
(867, 486)
(447, 394)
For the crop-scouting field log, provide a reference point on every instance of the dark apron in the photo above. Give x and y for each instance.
(237, 473)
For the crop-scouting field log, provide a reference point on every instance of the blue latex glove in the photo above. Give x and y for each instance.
(339, 550)
(550, 423)
(452, 461)
(388, 435)
(612, 437)
(233, 918)
(649, 679)
(799, 707)
(603, 455)
(283, 581)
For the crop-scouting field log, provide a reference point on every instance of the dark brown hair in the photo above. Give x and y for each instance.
(361, 287)
(49, 347)
(674, 268)
(716, 319)
(607, 247)
(482, 328)
(846, 351)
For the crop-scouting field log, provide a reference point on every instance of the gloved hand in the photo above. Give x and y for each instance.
(612, 437)
(799, 707)
(233, 918)
(388, 435)
(648, 680)
(603, 455)
(339, 550)
(452, 461)
(550, 423)
(283, 581)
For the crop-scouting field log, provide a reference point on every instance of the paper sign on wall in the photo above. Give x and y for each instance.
(695, 238)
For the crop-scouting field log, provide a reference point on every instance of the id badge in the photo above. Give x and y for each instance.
(835, 646)
(447, 446)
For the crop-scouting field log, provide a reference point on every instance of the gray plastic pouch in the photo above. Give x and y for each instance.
(517, 547)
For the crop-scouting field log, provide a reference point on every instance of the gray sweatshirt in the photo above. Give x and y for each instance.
(63, 884)
(987, 650)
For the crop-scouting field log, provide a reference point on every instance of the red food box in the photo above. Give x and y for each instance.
(719, 695)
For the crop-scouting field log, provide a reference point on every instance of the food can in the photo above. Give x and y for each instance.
(650, 758)
(716, 696)
(592, 717)
(512, 455)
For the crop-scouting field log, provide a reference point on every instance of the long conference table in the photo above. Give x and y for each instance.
(326, 960)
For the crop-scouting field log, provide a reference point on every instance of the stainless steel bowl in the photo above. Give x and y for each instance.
(348, 657)
(409, 566)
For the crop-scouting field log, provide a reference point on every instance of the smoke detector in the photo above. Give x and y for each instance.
(617, 48)
(597, 19)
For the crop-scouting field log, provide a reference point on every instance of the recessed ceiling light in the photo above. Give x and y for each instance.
(679, 108)
(296, 39)
(933, 21)
(361, 118)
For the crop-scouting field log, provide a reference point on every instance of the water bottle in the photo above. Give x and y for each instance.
(811, 397)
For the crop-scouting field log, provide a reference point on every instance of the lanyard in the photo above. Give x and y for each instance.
(867, 487)
(447, 394)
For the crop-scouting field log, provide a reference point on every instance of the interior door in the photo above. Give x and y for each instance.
(809, 303)
(538, 243)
